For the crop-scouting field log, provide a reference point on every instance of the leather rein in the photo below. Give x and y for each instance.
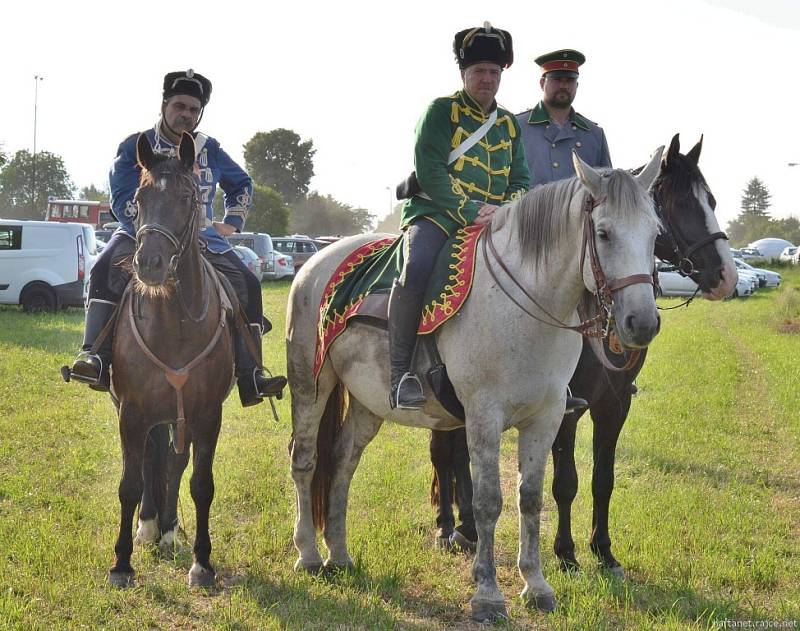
(598, 326)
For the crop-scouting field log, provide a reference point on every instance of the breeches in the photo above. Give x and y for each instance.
(423, 242)
(112, 272)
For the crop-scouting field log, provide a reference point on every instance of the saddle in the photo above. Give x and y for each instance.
(360, 287)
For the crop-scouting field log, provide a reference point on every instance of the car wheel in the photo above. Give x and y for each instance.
(38, 298)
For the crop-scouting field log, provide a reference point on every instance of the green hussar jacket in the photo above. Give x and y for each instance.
(493, 171)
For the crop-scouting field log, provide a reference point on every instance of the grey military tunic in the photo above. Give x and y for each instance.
(548, 147)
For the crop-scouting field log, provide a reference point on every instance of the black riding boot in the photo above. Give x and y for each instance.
(253, 384)
(405, 307)
(574, 404)
(94, 369)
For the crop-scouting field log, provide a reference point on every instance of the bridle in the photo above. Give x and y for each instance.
(682, 252)
(181, 244)
(598, 326)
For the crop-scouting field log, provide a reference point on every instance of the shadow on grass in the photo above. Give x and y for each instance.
(679, 601)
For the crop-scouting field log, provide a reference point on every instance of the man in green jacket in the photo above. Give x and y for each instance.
(454, 191)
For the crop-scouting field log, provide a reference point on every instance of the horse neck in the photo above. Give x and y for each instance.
(558, 269)
(192, 280)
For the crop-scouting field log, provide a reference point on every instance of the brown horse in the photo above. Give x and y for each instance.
(172, 361)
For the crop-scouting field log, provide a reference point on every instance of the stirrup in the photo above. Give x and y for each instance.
(407, 395)
(84, 358)
(574, 404)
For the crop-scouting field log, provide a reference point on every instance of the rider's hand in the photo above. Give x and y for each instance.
(225, 229)
(485, 214)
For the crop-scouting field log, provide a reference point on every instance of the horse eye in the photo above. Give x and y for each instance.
(603, 235)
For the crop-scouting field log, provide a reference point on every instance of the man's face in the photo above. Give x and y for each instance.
(559, 92)
(182, 112)
(482, 81)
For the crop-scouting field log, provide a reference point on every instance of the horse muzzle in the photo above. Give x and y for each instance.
(151, 267)
(636, 318)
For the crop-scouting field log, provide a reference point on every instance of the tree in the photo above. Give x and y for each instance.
(318, 215)
(16, 179)
(3, 158)
(279, 160)
(94, 194)
(268, 213)
(754, 221)
(391, 223)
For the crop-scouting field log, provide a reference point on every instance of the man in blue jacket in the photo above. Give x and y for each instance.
(185, 95)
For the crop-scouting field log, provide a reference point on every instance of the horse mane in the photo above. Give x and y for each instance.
(679, 179)
(543, 217)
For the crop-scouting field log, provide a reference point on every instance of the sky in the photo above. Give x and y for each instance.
(355, 76)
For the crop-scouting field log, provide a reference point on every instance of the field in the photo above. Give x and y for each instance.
(705, 515)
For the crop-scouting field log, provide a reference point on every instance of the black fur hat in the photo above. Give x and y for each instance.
(483, 43)
(187, 82)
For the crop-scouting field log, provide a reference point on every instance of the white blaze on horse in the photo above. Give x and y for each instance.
(508, 369)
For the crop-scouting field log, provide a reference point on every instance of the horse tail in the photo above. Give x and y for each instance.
(156, 475)
(435, 495)
(329, 428)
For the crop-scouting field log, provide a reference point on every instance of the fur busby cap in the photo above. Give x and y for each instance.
(187, 82)
(482, 44)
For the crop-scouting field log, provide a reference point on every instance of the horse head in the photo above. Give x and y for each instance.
(620, 227)
(691, 238)
(167, 222)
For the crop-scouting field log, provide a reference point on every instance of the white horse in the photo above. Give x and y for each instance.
(508, 369)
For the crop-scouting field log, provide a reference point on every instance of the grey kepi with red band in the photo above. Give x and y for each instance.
(561, 63)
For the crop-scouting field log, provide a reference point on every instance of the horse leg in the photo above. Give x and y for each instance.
(483, 438)
(148, 530)
(441, 487)
(132, 436)
(565, 488)
(608, 416)
(533, 450)
(201, 484)
(307, 411)
(176, 465)
(465, 535)
(359, 428)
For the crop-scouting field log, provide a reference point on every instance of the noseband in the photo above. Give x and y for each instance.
(598, 326)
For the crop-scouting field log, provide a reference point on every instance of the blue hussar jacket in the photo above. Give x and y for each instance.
(213, 166)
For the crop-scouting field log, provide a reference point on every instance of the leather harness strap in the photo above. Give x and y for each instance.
(177, 377)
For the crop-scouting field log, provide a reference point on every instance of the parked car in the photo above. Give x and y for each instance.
(104, 234)
(673, 283)
(301, 248)
(789, 254)
(250, 259)
(100, 244)
(735, 253)
(770, 278)
(261, 244)
(45, 265)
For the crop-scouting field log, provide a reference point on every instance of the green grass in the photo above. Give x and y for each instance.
(705, 515)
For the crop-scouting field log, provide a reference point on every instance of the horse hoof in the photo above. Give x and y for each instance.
(313, 568)
(200, 576)
(443, 544)
(484, 611)
(617, 572)
(460, 542)
(170, 546)
(121, 579)
(543, 602)
(334, 569)
(569, 566)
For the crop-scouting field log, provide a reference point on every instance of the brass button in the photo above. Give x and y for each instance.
(573, 127)
(553, 145)
(555, 165)
(578, 144)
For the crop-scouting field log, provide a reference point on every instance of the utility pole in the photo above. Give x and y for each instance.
(36, 79)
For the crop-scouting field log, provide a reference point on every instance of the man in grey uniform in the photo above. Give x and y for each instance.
(552, 129)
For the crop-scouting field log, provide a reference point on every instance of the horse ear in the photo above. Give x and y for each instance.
(589, 177)
(674, 149)
(144, 153)
(694, 154)
(650, 172)
(186, 151)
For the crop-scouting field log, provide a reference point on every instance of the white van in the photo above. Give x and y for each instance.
(45, 265)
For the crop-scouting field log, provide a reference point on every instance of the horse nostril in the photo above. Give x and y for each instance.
(629, 322)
